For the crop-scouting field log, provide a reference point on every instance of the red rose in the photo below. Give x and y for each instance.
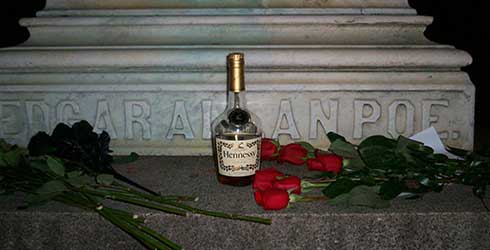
(268, 150)
(265, 178)
(275, 199)
(329, 163)
(258, 197)
(293, 153)
(314, 164)
(289, 183)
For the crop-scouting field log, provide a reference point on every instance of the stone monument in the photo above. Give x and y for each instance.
(153, 73)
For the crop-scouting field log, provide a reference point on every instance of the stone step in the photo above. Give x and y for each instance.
(452, 219)
(219, 29)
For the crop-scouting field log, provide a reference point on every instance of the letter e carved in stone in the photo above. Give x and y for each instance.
(9, 122)
(427, 117)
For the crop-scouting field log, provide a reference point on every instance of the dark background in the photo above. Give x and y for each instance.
(458, 23)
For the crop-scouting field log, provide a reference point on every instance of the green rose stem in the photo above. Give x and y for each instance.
(155, 235)
(313, 184)
(196, 210)
(148, 237)
(129, 223)
(123, 190)
(134, 201)
(222, 214)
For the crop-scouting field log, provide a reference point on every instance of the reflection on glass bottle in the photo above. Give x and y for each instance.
(236, 132)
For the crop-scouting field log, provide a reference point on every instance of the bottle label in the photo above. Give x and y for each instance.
(238, 158)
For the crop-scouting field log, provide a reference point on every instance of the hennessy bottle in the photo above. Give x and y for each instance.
(236, 132)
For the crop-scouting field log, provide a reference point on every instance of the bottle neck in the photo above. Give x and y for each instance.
(236, 100)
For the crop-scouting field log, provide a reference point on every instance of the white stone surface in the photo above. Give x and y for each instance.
(184, 59)
(156, 4)
(201, 30)
(154, 76)
(139, 115)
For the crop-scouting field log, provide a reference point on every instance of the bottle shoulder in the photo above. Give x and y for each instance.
(236, 121)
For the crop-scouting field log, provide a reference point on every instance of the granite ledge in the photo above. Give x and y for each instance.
(453, 219)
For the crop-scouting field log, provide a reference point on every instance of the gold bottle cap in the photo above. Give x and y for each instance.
(236, 79)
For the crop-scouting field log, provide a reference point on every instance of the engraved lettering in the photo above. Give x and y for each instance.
(37, 121)
(62, 110)
(238, 158)
(206, 106)
(9, 122)
(103, 119)
(137, 112)
(444, 135)
(393, 114)
(427, 118)
(362, 115)
(317, 116)
(237, 155)
(455, 135)
(285, 123)
(180, 122)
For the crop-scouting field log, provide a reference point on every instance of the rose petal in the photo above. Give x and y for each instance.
(289, 183)
(275, 199)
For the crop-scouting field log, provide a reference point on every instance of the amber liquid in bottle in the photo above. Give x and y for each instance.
(236, 132)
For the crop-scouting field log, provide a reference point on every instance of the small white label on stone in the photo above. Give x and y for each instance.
(238, 158)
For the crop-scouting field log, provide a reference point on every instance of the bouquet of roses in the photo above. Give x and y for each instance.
(73, 166)
(370, 174)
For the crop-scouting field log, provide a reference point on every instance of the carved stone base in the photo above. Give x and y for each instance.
(154, 76)
(174, 117)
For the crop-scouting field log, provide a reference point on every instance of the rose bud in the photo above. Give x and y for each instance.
(265, 178)
(290, 183)
(329, 163)
(258, 197)
(268, 149)
(293, 153)
(275, 199)
(314, 164)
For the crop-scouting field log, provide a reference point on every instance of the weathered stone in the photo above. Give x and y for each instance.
(150, 120)
(154, 76)
(453, 219)
(170, 4)
(262, 29)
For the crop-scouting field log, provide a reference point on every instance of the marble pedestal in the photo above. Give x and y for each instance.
(152, 73)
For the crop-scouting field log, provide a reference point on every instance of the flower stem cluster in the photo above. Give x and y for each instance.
(274, 190)
(45, 178)
(301, 153)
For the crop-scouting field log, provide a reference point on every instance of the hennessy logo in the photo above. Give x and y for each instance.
(238, 155)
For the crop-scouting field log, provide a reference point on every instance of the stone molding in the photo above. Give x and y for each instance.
(227, 30)
(154, 76)
(212, 59)
(227, 12)
(170, 4)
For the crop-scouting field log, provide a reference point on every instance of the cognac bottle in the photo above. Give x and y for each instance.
(236, 132)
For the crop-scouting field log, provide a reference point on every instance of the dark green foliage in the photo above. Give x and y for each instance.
(402, 166)
(80, 147)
